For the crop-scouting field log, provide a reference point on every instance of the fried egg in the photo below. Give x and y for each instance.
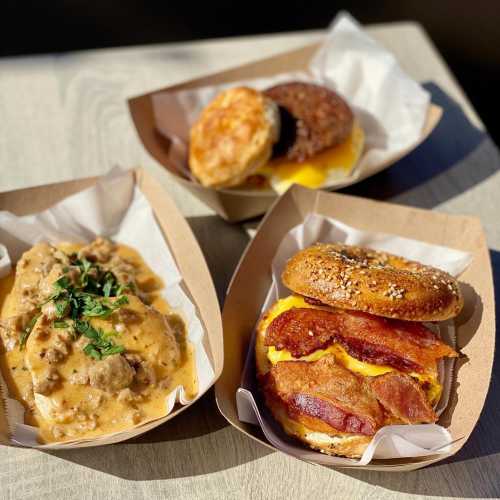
(320, 170)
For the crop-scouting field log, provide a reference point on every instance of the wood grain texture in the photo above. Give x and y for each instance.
(65, 117)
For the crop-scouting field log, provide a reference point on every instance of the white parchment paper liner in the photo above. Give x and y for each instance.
(395, 441)
(116, 208)
(390, 106)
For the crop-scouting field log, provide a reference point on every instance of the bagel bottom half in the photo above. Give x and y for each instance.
(344, 444)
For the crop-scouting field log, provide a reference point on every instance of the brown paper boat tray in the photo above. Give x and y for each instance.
(475, 326)
(235, 205)
(185, 250)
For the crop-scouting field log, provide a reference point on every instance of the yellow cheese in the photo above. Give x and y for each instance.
(284, 305)
(319, 170)
(341, 355)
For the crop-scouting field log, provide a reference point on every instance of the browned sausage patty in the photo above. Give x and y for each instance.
(322, 118)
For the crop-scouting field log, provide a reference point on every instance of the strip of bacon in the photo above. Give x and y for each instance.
(406, 346)
(326, 397)
(333, 415)
(324, 392)
(401, 396)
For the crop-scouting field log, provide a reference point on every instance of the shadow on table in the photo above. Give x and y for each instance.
(467, 473)
(454, 158)
(199, 441)
(222, 245)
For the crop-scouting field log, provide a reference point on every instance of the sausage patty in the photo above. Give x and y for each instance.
(322, 118)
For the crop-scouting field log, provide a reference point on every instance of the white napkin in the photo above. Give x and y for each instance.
(395, 441)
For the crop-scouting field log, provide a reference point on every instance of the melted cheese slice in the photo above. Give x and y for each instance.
(341, 355)
(321, 169)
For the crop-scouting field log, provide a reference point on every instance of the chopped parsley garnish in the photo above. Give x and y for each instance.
(61, 307)
(107, 288)
(59, 323)
(101, 345)
(97, 307)
(96, 280)
(74, 302)
(62, 283)
(26, 332)
(90, 295)
(96, 293)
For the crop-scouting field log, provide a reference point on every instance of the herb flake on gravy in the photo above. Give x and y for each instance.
(90, 347)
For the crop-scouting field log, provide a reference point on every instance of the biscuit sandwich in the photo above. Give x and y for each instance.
(349, 351)
(294, 132)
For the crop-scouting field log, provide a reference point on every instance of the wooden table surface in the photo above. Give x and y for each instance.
(65, 116)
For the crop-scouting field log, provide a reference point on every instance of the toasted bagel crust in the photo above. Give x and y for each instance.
(233, 137)
(351, 277)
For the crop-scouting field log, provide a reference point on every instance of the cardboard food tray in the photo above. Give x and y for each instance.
(185, 250)
(237, 205)
(475, 326)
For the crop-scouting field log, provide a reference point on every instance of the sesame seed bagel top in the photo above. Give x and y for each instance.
(351, 277)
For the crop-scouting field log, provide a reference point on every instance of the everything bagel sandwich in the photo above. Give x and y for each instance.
(347, 352)
(233, 137)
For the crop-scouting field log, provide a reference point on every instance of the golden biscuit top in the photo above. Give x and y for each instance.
(232, 137)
